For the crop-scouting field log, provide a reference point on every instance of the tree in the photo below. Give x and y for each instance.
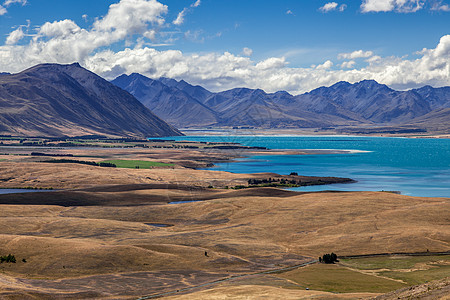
(329, 258)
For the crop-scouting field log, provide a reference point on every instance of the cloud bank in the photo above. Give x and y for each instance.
(131, 25)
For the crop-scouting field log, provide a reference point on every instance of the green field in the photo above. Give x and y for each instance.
(135, 164)
(335, 278)
(410, 269)
(375, 274)
(392, 262)
(2, 159)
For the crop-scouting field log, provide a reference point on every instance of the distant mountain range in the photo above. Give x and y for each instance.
(366, 103)
(67, 100)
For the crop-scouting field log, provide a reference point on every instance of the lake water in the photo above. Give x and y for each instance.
(14, 191)
(415, 167)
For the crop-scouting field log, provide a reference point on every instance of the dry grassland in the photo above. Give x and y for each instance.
(98, 241)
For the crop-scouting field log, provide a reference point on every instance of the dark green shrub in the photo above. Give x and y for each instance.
(9, 259)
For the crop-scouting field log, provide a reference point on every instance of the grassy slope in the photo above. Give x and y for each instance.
(412, 270)
(334, 278)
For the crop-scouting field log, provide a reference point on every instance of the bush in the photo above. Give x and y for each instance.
(9, 259)
(294, 173)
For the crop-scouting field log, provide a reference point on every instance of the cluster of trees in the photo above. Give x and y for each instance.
(83, 162)
(46, 154)
(271, 180)
(8, 258)
(329, 258)
(261, 181)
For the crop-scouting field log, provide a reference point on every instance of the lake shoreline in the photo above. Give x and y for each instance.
(301, 132)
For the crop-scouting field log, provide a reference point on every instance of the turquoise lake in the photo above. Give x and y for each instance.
(415, 167)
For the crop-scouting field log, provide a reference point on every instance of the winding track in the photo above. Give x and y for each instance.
(228, 279)
(287, 269)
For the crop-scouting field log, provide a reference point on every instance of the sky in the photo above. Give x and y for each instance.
(291, 45)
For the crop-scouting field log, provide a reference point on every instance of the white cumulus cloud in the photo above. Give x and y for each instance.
(63, 28)
(329, 7)
(326, 65)
(439, 6)
(180, 18)
(373, 59)
(131, 16)
(65, 42)
(182, 14)
(271, 63)
(355, 54)
(9, 2)
(15, 36)
(247, 51)
(348, 64)
(404, 6)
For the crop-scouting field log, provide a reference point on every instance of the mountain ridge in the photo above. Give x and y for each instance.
(364, 103)
(68, 100)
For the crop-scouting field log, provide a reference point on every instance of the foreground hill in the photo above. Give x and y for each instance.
(366, 103)
(68, 100)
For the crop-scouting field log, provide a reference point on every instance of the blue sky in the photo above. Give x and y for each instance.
(288, 45)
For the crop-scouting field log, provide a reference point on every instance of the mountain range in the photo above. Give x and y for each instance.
(366, 103)
(68, 100)
(55, 100)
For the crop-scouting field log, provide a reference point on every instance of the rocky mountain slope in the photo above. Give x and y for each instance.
(68, 100)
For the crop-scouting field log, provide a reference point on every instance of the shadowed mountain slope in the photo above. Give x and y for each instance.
(68, 100)
(170, 101)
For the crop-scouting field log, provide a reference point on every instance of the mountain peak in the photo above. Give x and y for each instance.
(371, 84)
(367, 82)
(341, 84)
